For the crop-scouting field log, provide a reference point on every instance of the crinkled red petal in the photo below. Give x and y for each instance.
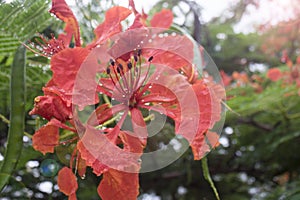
(174, 51)
(167, 21)
(101, 153)
(117, 185)
(112, 23)
(62, 11)
(210, 141)
(46, 138)
(67, 182)
(210, 112)
(51, 107)
(65, 66)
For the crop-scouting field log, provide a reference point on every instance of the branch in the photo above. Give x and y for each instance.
(251, 121)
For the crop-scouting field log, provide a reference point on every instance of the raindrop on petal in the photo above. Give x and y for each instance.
(83, 177)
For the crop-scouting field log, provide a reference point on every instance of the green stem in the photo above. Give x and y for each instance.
(106, 100)
(5, 120)
(208, 178)
(17, 115)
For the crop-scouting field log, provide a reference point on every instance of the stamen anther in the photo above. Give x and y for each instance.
(129, 65)
(139, 52)
(108, 70)
(150, 59)
(112, 62)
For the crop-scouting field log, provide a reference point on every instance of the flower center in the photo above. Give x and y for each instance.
(129, 79)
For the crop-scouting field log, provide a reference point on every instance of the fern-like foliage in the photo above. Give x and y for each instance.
(20, 20)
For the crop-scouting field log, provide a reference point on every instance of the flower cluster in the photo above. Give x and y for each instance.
(288, 77)
(122, 75)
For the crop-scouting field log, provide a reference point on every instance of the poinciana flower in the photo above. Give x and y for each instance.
(135, 70)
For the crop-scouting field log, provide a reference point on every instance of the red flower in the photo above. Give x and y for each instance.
(274, 74)
(139, 70)
(52, 105)
(225, 78)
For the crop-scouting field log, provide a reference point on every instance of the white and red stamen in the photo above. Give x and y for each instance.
(129, 80)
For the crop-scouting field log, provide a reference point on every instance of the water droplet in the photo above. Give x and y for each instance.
(139, 160)
(150, 86)
(174, 34)
(83, 177)
(150, 40)
(49, 167)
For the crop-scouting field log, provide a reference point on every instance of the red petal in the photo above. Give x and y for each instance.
(225, 78)
(81, 167)
(65, 66)
(51, 107)
(132, 5)
(61, 10)
(46, 138)
(163, 19)
(298, 60)
(140, 19)
(85, 88)
(157, 98)
(67, 182)
(98, 167)
(139, 125)
(112, 23)
(213, 139)
(137, 23)
(175, 51)
(100, 153)
(132, 143)
(117, 185)
(205, 106)
(203, 147)
(274, 74)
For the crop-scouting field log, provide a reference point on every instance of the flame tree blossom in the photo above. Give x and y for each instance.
(115, 82)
